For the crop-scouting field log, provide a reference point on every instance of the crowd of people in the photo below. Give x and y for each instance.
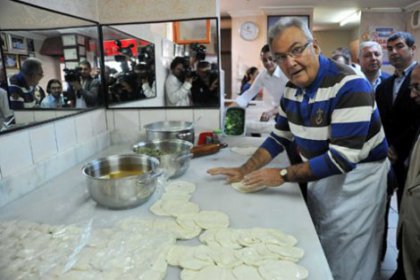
(356, 130)
(25, 91)
(192, 81)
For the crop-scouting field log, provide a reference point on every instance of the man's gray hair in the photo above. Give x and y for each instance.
(368, 44)
(278, 28)
(31, 66)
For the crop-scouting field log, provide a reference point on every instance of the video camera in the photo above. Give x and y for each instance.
(199, 51)
(72, 75)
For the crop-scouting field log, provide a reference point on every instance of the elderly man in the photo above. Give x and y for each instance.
(370, 60)
(24, 91)
(330, 112)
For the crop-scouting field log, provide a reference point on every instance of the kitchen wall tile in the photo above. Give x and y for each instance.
(98, 121)
(43, 141)
(179, 115)
(207, 119)
(127, 126)
(84, 128)
(127, 119)
(110, 123)
(65, 133)
(151, 116)
(15, 152)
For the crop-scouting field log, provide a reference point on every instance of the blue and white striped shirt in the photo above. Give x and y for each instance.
(334, 122)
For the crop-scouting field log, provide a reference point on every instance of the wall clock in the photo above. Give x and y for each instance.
(249, 30)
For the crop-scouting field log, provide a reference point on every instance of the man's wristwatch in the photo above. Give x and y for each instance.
(283, 174)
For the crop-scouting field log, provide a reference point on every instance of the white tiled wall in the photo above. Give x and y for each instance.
(129, 124)
(32, 156)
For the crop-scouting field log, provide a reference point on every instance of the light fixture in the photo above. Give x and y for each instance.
(354, 16)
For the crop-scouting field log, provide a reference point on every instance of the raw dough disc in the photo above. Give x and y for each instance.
(278, 269)
(246, 151)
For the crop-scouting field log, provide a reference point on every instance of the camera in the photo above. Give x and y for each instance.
(72, 75)
(199, 51)
(125, 51)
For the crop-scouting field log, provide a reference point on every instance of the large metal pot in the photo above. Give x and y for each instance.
(174, 155)
(170, 130)
(122, 181)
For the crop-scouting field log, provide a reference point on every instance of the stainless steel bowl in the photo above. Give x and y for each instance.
(122, 181)
(170, 130)
(174, 155)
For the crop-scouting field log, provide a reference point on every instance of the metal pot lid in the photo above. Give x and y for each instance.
(169, 126)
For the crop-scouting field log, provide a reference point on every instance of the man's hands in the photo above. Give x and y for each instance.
(267, 115)
(252, 182)
(76, 85)
(233, 174)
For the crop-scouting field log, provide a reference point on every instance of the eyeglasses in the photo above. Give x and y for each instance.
(415, 87)
(295, 52)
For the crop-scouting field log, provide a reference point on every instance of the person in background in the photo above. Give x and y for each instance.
(332, 116)
(249, 77)
(85, 89)
(55, 98)
(145, 80)
(205, 87)
(370, 60)
(24, 91)
(343, 55)
(408, 230)
(178, 85)
(6, 115)
(271, 79)
(400, 115)
(3, 79)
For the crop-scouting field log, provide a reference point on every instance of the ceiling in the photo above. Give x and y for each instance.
(327, 13)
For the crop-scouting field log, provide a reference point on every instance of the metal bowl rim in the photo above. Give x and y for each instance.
(102, 159)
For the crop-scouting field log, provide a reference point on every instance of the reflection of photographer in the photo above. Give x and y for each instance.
(178, 85)
(145, 79)
(205, 89)
(83, 89)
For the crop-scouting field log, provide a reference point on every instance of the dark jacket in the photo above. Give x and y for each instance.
(401, 118)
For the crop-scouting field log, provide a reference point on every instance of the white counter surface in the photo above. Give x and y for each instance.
(65, 200)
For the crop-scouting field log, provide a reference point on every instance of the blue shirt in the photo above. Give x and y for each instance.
(51, 102)
(334, 122)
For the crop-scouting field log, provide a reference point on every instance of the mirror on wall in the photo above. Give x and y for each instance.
(129, 68)
(58, 44)
(190, 46)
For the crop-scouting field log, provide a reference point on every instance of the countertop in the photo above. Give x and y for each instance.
(65, 200)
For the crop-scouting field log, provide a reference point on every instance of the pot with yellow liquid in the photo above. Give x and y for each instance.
(122, 181)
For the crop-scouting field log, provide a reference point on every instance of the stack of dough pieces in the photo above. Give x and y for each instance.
(240, 254)
(133, 249)
(226, 253)
(136, 248)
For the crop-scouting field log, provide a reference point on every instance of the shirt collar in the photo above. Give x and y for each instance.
(277, 72)
(311, 90)
(407, 70)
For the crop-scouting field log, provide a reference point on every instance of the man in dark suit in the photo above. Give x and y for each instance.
(399, 113)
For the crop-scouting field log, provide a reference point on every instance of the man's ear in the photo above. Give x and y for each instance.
(316, 47)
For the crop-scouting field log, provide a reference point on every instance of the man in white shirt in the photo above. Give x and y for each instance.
(178, 85)
(272, 79)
